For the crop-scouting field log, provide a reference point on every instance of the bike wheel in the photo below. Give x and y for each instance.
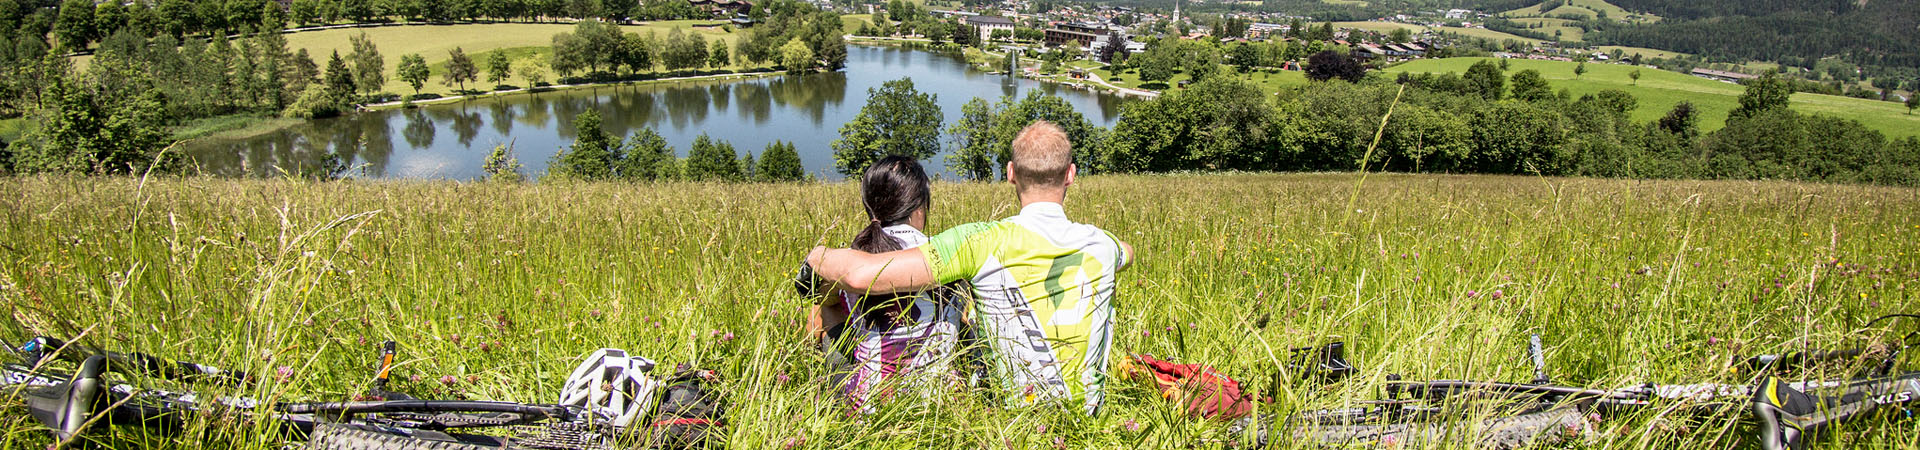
(340, 436)
(1501, 433)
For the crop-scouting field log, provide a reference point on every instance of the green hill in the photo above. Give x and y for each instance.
(1583, 8)
(1659, 90)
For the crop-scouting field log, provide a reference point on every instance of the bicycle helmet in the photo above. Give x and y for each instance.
(613, 385)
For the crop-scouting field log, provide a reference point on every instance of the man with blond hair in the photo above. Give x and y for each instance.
(1043, 285)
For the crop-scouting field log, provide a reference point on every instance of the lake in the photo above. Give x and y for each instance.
(449, 141)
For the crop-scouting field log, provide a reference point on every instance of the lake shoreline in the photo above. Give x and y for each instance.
(448, 138)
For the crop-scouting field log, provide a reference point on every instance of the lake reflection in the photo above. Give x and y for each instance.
(451, 140)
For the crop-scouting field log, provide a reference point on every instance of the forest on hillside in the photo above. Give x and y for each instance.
(1879, 36)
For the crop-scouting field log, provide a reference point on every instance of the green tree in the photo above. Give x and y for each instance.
(1635, 75)
(460, 68)
(796, 57)
(636, 51)
(1766, 93)
(1518, 138)
(1245, 56)
(74, 24)
(413, 70)
(683, 50)
(339, 79)
(305, 12)
(1486, 79)
(1528, 85)
(499, 67)
(1580, 69)
(897, 120)
(717, 56)
(1913, 101)
(1680, 121)
(710, 159)
(1215, 124)
(594, 154)
(1160, 61)
(80, 132)
(369, 68)
(1331, 64)
(534, 73)
(973, 141)
(648, 157)
(108, 17)
(780, 162)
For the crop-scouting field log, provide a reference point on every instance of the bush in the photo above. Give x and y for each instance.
(316, 102)
(422, 96)
(505, 87)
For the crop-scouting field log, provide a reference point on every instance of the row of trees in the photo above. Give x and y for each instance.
(77, 23)
(1486, 121)
(596, 46)
(1515, 125)
(645, 156)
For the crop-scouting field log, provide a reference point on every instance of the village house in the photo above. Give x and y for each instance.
(987, 24)
(1721, 75)
(723, 8)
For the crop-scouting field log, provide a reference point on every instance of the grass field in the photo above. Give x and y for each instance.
(852, 22)
(1659, 90)
(1270, 82)
(1481, 33)
(1583, 8)
(1645, 52)
(501, 288)
(1487, 34)
(1568, 32)
(1377, 26)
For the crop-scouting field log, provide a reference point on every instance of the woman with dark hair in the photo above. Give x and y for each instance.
(888, 340)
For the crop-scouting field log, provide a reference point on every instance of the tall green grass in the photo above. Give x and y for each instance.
(500, 288)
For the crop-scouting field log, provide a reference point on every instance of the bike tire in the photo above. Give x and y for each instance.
(339, 436)
(1500, 433)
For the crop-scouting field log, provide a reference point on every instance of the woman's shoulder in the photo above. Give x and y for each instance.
(908, 236)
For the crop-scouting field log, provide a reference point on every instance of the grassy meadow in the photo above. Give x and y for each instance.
(1582, 8)
(495, 290)
(1659, 90)
(1482, 33)
(1568, 29)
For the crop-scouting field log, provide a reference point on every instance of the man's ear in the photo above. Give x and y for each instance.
(1070, 171)
(1010, 174)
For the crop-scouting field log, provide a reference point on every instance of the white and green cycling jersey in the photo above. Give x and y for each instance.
(1043, 299)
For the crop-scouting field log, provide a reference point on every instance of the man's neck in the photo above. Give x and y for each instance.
(1049, 197)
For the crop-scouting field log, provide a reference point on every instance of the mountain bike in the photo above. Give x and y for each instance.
(1517, 415)
(69, 403)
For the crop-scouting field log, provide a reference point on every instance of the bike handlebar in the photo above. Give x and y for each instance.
(1797, 359)
(44, 347)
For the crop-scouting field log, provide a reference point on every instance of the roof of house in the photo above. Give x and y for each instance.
(1721, 73)
(988, 20)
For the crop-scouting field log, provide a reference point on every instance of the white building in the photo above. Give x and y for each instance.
(987, 24)
(1459, 13)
